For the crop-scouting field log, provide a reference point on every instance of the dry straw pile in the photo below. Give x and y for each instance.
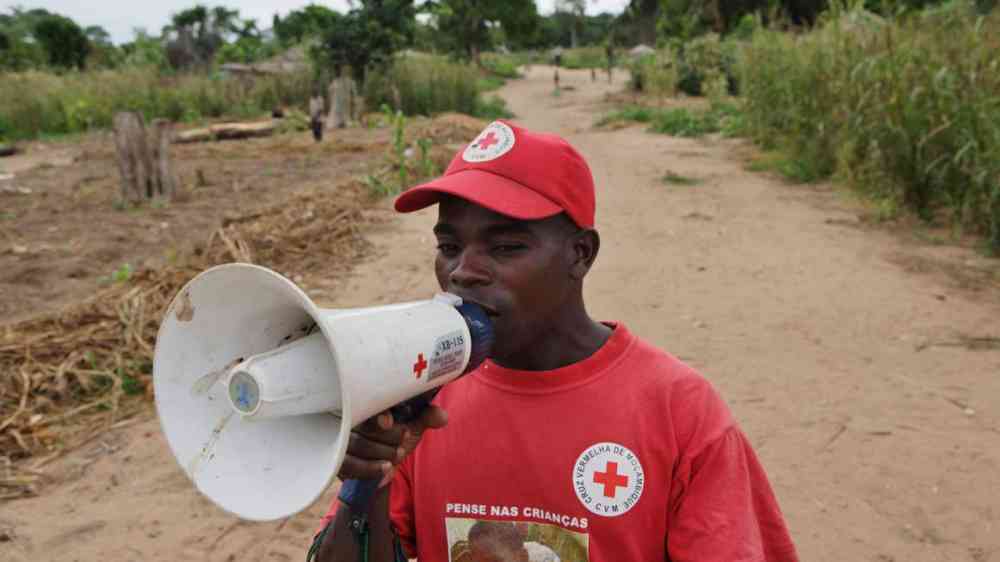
(67, 377)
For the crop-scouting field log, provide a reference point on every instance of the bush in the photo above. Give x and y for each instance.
(707, 66)
(39, 103)
(654, 74)
(906, 111)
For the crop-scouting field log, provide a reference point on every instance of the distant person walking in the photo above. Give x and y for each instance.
(609, 49)
(316, 110)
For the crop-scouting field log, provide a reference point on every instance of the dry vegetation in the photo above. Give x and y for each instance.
(72, 373)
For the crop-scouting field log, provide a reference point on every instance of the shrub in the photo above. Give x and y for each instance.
(654, 74)
(707, 66)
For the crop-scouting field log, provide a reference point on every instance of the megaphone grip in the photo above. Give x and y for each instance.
(358, 494)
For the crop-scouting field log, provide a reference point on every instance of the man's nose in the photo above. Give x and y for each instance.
(470, 270)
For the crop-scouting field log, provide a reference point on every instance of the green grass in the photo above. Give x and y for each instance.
(492, 108)
(501, 66)
(634, 113)
(674, 178)
(721, 117)
(489, 83)
(781, 163)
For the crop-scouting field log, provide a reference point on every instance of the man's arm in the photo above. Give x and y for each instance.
(376, 448)
(340, 542)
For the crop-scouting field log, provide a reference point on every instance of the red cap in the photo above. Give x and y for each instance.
(514, 172)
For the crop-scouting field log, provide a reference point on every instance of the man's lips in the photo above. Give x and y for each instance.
(490, 311)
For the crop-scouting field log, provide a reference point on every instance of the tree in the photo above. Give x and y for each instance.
(18, 48)
(644, 13)
(577, 9)
(145, 50)
(63, 41)
(103, 53)
(464, 25)
(299, 24)
(249, 46)
(365, 36)
(197, 33)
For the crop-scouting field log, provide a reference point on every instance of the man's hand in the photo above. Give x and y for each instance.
(379, 444)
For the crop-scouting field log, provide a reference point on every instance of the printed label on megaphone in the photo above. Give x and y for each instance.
(257, 388)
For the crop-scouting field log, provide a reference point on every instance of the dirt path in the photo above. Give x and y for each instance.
(859, 382)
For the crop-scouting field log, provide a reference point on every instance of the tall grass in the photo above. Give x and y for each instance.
(33, 104)
(585, 57)
(428, 85)
(908, 110)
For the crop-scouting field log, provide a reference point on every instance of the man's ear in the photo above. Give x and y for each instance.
(584, 244)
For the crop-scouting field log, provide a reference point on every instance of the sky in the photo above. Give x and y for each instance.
(120, 17)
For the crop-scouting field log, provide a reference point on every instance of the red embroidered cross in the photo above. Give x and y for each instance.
(420, 365)
(489, 140)
(611, 479)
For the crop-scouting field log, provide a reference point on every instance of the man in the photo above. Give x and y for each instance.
(316, 104)
(572, 423)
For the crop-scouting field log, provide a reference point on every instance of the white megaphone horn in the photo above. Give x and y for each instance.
(258, 389)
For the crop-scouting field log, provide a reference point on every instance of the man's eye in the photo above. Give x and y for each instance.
(508, 248)
(448, 249)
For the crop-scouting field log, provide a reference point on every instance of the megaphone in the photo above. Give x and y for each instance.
(257, 388)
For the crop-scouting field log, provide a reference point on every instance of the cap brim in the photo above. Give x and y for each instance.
(485, 189)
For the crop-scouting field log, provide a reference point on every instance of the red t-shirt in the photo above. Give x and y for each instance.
(628, 455)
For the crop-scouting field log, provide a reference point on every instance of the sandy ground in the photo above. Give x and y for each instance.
(857, 375)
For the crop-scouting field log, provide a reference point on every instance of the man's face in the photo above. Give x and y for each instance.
(518, 270)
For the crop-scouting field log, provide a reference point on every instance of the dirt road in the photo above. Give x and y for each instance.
(871, 402)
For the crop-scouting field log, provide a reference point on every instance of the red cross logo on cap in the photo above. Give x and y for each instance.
(420, 365)
(610, 479)
(489, 140)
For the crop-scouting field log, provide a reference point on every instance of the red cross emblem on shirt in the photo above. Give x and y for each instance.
(611, 479)
(420, 365)
(489, 140)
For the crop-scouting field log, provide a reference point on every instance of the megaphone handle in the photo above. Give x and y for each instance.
(359, 494)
